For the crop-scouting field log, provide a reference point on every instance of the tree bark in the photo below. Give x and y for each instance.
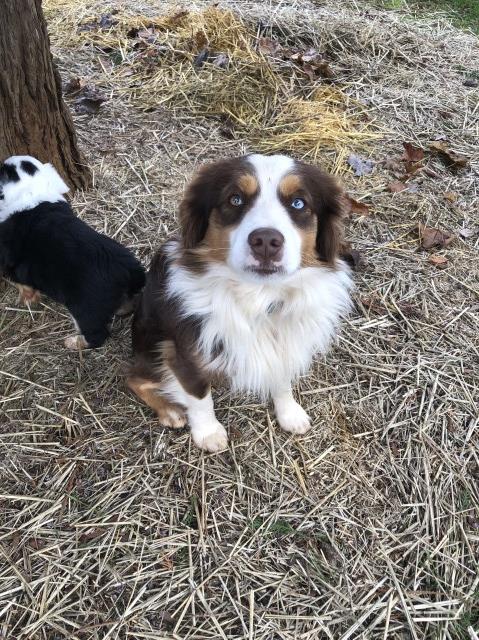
(33, 117)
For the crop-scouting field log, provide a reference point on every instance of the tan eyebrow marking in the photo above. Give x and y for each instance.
(290, 185)
(248, 184)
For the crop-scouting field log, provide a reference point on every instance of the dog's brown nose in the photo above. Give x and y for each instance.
(266, 243)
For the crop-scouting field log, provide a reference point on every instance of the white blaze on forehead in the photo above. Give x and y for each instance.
(267, 211)
(270, 170)
(30, 190)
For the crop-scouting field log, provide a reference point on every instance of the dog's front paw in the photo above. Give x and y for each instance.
(76, 343)
(292, 417)
(169, 416)
(211, 437)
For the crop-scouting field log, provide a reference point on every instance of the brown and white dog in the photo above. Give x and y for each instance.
(250, 292)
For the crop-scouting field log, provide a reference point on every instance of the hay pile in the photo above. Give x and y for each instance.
(112, 528)
(213, 62)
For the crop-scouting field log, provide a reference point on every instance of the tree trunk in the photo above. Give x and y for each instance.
(33, 117)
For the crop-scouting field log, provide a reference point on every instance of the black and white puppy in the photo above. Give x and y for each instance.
(45, 248)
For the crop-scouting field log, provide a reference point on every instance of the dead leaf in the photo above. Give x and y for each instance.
(354, 206)
(351, 256)
(36, 543)
(74, 85)
(361, 166)
(92, 534)
(395, 165)
(412, 153)
(451, 196)
(269, 46)
(107, 21)
(221, 61)
(431, 237)
(149, 35)
(450, 157)
(467, 233)
(201, 58)
(397, 186)
(90, 101)
(438, 261)
(178, 18)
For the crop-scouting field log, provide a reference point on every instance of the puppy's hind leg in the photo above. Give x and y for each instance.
(27, 295)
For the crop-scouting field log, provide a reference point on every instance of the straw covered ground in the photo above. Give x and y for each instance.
(367, 527)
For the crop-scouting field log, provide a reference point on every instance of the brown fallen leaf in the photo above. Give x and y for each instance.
(395, 165)
(201, 58)
(89, 99)
(312, 62)
(354, 206)
(467, 233)
(360, 165)
(178, 18)
(451, 196)
(438, 261)
(451, 158)
(221, 61)
(74, 85)
(91, 534)
(149, 34)
(351, 256)
(412, 153)
(397, 186)
(431, 237)
(269, 46)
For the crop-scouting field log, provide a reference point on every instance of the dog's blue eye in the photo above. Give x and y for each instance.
(298, 204)
(236, 200)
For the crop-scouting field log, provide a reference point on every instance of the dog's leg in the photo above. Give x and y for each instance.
(290, 415)
(169, 414)
(207, 432)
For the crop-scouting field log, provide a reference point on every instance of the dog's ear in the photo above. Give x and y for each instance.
(196, 206)
(328, 206)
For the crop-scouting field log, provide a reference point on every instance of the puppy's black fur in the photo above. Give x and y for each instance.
(51, 250)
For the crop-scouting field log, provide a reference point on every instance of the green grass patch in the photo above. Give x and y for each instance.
(464, 13)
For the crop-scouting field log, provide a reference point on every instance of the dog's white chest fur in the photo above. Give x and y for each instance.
(263, 336)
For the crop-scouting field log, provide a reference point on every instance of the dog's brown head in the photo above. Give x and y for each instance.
(266, 215)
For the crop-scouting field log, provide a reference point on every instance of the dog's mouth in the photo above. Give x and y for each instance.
(266, 270)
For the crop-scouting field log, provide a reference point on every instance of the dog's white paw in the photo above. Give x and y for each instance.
(76, 342)
(211, 437)
(292, 417)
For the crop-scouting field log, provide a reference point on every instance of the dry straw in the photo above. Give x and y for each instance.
(270, 99)
(367, 528)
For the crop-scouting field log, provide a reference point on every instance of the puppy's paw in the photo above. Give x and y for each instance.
(211, 437)
(293, 418)
(76, 342)
(171, 417)
(27, 295)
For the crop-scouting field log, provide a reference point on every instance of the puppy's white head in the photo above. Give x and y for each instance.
(264, 216)
(25, 182)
